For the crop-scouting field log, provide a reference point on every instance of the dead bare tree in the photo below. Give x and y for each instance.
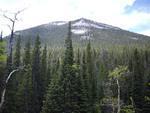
(10, 71)
(11, 26)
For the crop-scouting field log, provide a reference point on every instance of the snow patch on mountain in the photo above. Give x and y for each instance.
(134, 38)
(86, 24)
(86, 38)
(79, 31)
(59, 23)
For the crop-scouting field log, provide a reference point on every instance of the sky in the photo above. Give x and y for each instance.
(132, 15)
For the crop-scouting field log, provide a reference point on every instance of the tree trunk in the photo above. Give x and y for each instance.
(4, 90)
(118, 99)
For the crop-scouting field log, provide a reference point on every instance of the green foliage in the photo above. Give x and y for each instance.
(74, 98)
(24, 94)
(36, 77)
(118, 72)
(146, 106)
(17, 56)
(53, 101)
(77, 80)
(138, 85)
(127, 109)
(2, 58)
(27, 53)
(2, 51)
(92, 95)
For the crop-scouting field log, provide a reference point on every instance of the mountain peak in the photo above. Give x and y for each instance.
(83, 22)
(83, 19)
(83, 29)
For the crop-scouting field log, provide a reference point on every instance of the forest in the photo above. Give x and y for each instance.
(74, 79)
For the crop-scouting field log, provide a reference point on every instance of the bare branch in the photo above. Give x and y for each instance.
(8, 18)
(15, 15)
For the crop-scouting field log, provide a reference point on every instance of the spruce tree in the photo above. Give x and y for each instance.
(27, 53)
(44, 70)
(36, 76)
(138, 76)
(146, 106)
(73, 90)
(53, 101)
(24, 93)
(91, 79)
(66, 95)
(85, 80)
(25, 87)
(17, 56)
(83, 71)
(67, 75)
(11, 103)
(2, 62)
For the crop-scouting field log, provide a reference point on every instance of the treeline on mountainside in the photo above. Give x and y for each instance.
(77, 80)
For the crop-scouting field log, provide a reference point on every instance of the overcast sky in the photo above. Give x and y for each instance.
(133, 15)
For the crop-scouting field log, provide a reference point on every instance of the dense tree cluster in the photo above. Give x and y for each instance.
(77, 80)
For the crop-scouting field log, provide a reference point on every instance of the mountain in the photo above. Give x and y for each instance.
(83, 29)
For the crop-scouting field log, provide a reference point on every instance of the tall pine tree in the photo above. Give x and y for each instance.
(138, 75)
(25, 87)
(67, 94)
(36, 76)
(17, 56)
(91, 79)
(44, 70)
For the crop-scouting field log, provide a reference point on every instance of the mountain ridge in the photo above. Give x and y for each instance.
(83, 29)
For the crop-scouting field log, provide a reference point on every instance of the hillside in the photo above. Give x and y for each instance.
(82, 29)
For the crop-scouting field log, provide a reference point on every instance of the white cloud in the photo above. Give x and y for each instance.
(145, 32)
(44, 11)
(129, 21)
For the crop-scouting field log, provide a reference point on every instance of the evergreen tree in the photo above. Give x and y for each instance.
(67, 94)
(17, 56)
(91, 79)
(27, 53)
(53, 101)
(78, 57)
(44, 70)
(24, 94)
(11, 103)
(36, 77)
(85, 80)
(48, 70)
(2, 63)
(138, 76)
(2, 52)
(72, 85)
(83, 72)
(146, 106)
(67, 77)
(25, 88)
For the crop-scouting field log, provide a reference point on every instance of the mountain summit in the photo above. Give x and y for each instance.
(92, 24)
(82, 29)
